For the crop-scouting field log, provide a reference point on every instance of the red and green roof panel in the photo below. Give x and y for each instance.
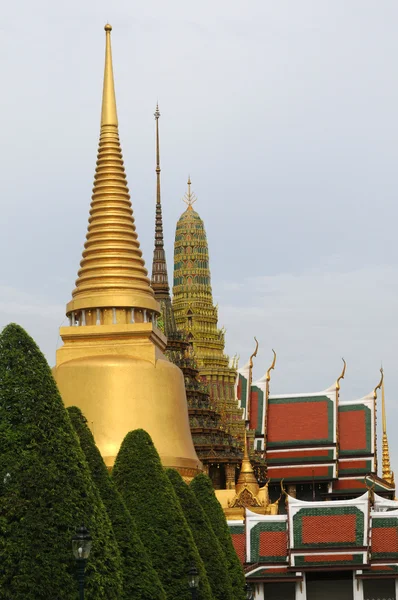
(239, 540)
(298, 455)
(257, 409)
(268, 542)
(300, 421)
(336, 559)
(330, 527)
(356, 485)
(356, 429)
(384, 537)
(356, 466)
(302, 473)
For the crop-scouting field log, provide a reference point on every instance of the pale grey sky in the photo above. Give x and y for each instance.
(284, 114)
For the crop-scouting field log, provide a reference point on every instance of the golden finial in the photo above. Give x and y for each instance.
(109, 112)
(189, 197)
(342, 374)
(268, 375)
(387, 474)
(378, 386)
(254, 353)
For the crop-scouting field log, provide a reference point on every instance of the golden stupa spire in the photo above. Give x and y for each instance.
(387, 474)
(112, 271)
(109, 112)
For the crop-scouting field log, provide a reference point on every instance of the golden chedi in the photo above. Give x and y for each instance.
(111, 364)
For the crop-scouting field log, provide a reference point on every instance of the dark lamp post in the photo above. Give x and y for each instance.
(249, 592)
(193, 581)
(81, 546)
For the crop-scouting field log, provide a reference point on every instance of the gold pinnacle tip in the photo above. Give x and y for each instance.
(108, 27)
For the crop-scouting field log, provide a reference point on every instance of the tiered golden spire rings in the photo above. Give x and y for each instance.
(387, 474)
(189, 197)
(112, 272)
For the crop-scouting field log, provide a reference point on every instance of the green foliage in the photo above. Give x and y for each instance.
(46, 490)
(206, 541)
(140, 580)
(139, 476)
(203, 489)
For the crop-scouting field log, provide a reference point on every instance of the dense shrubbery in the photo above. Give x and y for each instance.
(206, 541)
(149, 496)
(140, 580)
(46, 489)
(204, 492)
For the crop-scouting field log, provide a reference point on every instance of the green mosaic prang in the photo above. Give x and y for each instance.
(328, 512)
(300, 561)
(255, 556)
(260, 411)
(243, 388)
(368, 429)
(309, 442)
(290, 458)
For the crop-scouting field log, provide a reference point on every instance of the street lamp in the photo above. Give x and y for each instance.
(193, 581)
(81, 546)
(249, 592)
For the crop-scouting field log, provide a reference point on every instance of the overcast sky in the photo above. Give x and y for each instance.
(285, 115)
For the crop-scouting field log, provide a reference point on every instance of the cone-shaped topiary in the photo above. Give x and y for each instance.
(206, 541)
(139, 476)
(46, 490)
(204, 492)
(140, 580)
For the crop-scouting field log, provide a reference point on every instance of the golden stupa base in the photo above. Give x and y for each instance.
(119, 378)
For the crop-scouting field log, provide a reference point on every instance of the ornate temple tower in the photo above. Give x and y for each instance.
(196, 314)
(112, 364)
(215, 447)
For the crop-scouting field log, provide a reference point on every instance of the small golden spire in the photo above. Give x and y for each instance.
(247, 477)
(109, 112)
(189, 197)
(387, 474)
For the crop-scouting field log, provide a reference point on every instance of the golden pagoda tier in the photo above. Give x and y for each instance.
(196, 315)
(217, 450)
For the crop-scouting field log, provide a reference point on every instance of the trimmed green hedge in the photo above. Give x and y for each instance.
(139, 476)
(206, 541)
(140, 580)
(46, 490)
(204, 492)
